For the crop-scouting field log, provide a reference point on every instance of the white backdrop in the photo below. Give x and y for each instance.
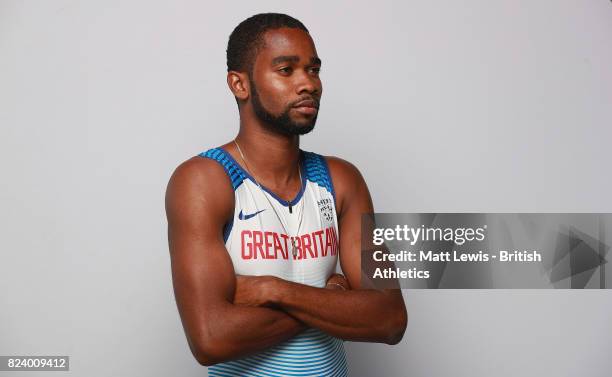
(471, 106)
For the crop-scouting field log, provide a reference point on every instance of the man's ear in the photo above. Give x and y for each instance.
(238, 83)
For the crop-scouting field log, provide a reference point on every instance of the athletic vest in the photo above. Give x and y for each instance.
(258, 244)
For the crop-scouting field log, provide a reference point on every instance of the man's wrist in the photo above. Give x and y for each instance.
(276, 289)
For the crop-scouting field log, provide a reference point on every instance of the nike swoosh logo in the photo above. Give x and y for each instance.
(246, 217)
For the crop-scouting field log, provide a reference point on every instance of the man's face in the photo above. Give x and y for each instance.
(285, 84)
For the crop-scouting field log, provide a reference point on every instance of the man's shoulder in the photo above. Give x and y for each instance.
(200, 178)
(346, 178)
(200, 170)
(207, 165)
(342, 171)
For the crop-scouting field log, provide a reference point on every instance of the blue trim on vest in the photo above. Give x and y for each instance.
(318, 171)
(314, 168)
(246, 174)
(227, 229)
(230, 166)
(234, 174)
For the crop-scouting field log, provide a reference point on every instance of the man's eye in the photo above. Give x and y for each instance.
(285, 70)
(315, 70)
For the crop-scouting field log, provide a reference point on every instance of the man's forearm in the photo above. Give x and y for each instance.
(237, 331)
(359, 315)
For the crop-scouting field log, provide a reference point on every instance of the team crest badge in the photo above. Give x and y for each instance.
(325, 206)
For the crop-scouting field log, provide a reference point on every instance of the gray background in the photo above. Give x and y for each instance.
(444, 106)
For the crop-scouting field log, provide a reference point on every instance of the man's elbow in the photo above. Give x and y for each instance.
(208, 352)
(201, 354)
(205, 360)
(397, 327)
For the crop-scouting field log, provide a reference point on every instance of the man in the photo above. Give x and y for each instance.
(256, 226)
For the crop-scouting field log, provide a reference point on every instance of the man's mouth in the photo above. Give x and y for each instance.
(307, 106)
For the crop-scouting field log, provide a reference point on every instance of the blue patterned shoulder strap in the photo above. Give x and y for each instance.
(233, 171)
(317, 171)
(315, 166)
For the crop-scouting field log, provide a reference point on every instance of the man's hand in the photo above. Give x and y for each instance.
(259, 290)
(337, 281)
(254, 290)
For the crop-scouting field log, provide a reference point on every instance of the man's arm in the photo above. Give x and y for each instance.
(357, 314)
(199, 200)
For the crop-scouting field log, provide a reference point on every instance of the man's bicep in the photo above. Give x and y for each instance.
(355, 200)
(202, 272)
(204, 284)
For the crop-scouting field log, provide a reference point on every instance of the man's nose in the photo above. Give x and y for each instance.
(307, 84)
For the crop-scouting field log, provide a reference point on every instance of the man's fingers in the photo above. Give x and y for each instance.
(338, 280)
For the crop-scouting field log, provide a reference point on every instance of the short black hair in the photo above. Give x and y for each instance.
(246, 38)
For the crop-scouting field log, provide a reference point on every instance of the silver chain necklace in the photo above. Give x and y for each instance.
(293, 243)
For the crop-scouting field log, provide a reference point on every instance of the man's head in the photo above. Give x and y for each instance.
(273, 71)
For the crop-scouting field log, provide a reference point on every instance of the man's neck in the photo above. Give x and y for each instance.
(271, 158)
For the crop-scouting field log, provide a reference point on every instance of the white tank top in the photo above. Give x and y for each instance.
(259, 244)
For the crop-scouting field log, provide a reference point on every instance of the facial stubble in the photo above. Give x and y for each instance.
(282, 123)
